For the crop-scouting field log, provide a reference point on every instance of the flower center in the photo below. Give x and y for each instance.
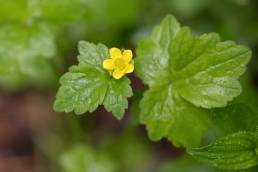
(120, 64)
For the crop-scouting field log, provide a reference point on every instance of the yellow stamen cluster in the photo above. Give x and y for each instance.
(119, 62)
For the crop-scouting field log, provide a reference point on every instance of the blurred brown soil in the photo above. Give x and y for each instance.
(22, 116)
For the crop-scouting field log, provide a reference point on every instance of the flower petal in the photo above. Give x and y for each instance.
(117, 74)
(128, 55)
(129, 68)
(115, 53)
(108, 64)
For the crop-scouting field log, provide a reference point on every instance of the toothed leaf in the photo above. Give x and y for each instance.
(88, 85)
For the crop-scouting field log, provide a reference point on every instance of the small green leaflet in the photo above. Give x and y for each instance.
(185, 72)
(235, 151)
(88, 85)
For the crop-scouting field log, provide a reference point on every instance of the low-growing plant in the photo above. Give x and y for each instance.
(191, 95)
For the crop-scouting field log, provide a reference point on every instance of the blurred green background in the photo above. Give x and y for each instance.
(38, 41)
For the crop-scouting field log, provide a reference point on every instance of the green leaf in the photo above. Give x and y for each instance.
(88, 85)
(202, 69)
(115, 100)
(185, 72)
(236, 151)
(82, 89)
(168, 115)
(92, 55)
(27, 56)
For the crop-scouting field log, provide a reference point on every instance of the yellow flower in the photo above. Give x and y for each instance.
(119, 63)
